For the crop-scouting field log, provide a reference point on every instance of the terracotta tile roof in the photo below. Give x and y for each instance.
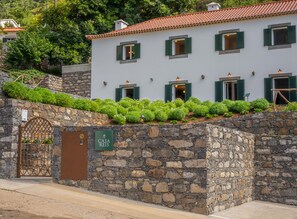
(12, 29)
(271, 9)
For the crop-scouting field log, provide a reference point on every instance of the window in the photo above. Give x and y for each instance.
(128, 52)
(229, 88)
(174, 90)
(229, 41)
(129, 90)
(177, 47)
(280, 36)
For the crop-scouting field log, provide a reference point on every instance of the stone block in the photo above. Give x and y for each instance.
(174, 164)
(138, 173)
(115, 187)
(147, 187)
(186, 154)
(157, 199)
(173, 175)
(108, 153)
(124, 153)
(197, 163)
(153, 131)
(180, 143)
(121, 144)
(162, 187)
(200, 143)
(146, 153)
(156, 173)
(115, 163)
(169, 197)
(197, 189)
(153, 163)
(130, 185)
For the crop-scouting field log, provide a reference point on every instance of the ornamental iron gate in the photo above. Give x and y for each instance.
(35, 148)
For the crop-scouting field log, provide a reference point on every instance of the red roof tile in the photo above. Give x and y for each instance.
(271, 9)
(12, 29)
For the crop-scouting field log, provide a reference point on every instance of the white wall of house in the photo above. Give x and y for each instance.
(203, 60)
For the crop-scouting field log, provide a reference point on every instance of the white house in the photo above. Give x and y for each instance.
(214, 55)
(10, 29)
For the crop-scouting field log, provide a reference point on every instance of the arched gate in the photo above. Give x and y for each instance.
(35, 148)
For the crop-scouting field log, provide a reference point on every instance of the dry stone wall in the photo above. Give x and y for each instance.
(168, 165)
(52, 82)
(10, 120)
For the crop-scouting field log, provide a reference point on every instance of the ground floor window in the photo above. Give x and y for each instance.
(175, 90)
(130, 91)
(280, 81)
(229, 88)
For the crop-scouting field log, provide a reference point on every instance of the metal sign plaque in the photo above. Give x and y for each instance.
(104, 140)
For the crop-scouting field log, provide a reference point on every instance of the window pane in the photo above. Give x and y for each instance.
(129, 93)
(280, 36)
(129, 52)
(179, 47)
(230, 41)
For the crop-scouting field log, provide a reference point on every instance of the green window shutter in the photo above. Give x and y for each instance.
(188, 93)
(168, 92)
(188, 45)
(293, 84)
(219, 91)
(168, 48)
(218, 42)
(240, 89)
(267, 37)
(136, 93)
(240, 40)
(137, 50)
(291, 34)
(4, 40)
(267, 89)
(119, 53)
(119, 94)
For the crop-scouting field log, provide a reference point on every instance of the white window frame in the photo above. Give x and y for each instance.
(174, 47)
(225, 88)
(224, 41)
(272, 34)
(131, 51)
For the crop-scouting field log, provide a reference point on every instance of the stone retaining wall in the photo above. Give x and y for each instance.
(3, 78)
(77, 79)
(52, 82)
(170, 165)
(10, 120)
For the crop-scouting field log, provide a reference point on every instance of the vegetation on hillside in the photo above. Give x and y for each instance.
(144, 110)
(60, 31)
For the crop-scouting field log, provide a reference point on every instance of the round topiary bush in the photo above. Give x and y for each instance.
(64, 100)
(218, 108)
(190, 105)
(121, 110)
(125, 103)
(133, 117)
(241, 106)
(15, 90)
(110, 110)
(170, 105)
(178, 102)
(119, 119)
(291, 107)
(195, 100)
(34, 96)
(201, 110)
(260, 103)
(161, 115)
(95, 107)
(228, 103)
(148, 115)
(207, 103)
(146, 102)
(177, 114)
(48, 97)
(134, 108)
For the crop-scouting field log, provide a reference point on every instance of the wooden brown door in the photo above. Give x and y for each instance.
(74, 155)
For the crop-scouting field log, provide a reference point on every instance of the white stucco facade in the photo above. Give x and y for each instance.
(153, 70)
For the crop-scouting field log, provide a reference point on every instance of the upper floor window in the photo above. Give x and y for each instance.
(179, 46)
(229, 41)
(279, 36)
(128, 52)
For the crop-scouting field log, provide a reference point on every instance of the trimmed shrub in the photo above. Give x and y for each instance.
(134, 108)
(291, 107)
(178, 102)
(48, 97)
(201, 110)
(241, 106)
(15, 90)
(207, 103)
(177, 114)
(170, 105)
(99, 101)
(228, 114)
(82, 104)
(260, 103)
(145, 102)
(228, 103)
(133, 117)
(148, 115)
(64, 100)
(125, 103)
(34, 96)
(119, 119)
(190, 105)
(185, 109)
(110, 110)
(195, 100)
(122, 110)
(161, 116)
(94, 106)
(218, 108)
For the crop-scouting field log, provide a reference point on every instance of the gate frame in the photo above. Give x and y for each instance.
(20, 136)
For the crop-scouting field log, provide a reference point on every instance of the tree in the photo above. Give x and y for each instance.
(28, 50)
